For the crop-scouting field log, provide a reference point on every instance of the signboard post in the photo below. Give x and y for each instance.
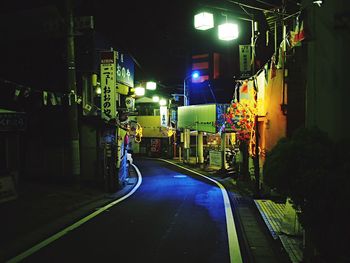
(215, 158)
(244, 60)
(163, 116)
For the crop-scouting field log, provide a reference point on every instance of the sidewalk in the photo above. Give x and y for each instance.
(274, 215)
(43, 209)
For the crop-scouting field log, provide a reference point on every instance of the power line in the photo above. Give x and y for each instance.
(256, 8)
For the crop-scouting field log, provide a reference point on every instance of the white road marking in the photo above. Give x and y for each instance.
(63, 232)
(234, 249)
(180, 176)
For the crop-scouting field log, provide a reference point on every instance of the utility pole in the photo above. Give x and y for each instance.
(256, 119)
(187, 134)
(72, 149)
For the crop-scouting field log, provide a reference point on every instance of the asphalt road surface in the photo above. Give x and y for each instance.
(172, 217)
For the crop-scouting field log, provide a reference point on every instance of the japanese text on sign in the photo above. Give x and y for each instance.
(163, 116)
(108, 85)
(125, 69)
(244, 59)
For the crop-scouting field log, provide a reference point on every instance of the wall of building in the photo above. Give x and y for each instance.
(275, 122)
(328, 92)
(88, 152)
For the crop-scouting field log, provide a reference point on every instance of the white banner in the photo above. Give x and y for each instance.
(163, 116)
(108, 85)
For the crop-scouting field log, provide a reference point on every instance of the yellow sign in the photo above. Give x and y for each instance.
(198, 117)
(108, 82)
(151, 126)
(122, 89)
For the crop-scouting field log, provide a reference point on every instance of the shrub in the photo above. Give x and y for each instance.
(314, 172)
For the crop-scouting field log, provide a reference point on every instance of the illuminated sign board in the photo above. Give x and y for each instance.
(244, 59)
(205, 117)
(163, 116)
(125, 69)
(108, 85)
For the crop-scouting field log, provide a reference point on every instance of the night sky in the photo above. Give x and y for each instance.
(158, 34)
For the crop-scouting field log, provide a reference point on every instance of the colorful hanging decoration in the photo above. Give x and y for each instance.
(135, 131)
(47, 97)
(240, 117)
(298, 34)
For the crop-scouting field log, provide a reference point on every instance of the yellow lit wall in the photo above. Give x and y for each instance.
(275, 122)
(151, 126)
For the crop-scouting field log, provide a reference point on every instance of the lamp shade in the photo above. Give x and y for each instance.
(162, 102)
(139, 91)
(151, 85)
(155, 98)
(228, 31)
(203, 21)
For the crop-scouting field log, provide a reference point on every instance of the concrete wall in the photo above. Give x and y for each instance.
(88, 152)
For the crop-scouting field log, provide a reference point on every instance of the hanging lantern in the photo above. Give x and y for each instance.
(203, 21)
(228, 31)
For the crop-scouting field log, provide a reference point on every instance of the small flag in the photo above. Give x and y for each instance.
(69, 96)
(26, 92)
(297, 35)
(273, 69)
(244, 88)
(78, 100)
(59, 99)
(45, 97)
(17, 92)
(53, 99)
(87, 107)
(301, 34)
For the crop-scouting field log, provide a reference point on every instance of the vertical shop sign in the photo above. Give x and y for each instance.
(163, 116)
(125, 69)
(108, 85)
(244, 60)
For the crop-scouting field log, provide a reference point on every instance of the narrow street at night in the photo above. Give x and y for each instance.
(171, 215)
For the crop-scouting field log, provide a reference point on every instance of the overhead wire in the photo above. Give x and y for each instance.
(256, 8)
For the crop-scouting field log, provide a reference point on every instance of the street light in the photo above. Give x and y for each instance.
(203, 21)
(162, 102)
(151, 85)
(139, 91)
(193, 76)
(228, 31)
(155, 98)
